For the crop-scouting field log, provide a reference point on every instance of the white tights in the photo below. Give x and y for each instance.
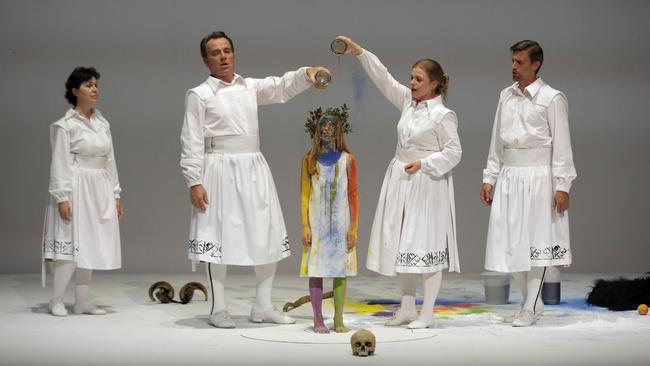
(63, 271)
(531, 288)
(431, 284)
(264, 275)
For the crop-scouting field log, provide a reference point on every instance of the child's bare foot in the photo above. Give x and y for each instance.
(320, 328)
(339, 327)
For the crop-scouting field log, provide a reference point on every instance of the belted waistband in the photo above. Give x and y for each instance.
(90, 162)
(232, 144)
(409, 155)
(527, 157)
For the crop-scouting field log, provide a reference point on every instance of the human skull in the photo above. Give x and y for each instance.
(363, 343)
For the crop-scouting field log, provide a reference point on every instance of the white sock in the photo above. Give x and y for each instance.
(217, 286)
(431, 283)
(408, 292)
(520, 280)
(535, 279)
(82, 278)
(63, 271)
(264, 273)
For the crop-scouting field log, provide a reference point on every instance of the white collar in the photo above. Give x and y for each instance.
(429, 103)
(532, 88)
(216, 84)
(73, 113)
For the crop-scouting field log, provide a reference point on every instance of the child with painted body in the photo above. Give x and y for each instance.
(329, 212)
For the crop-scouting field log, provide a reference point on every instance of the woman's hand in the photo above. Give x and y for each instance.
(311, 74)
(561, 202)
(119, 207)
(199, 197)
(413, 167)
(353, 47)
(65, 211)
(306, 236)
(486, 190)
(351, 242)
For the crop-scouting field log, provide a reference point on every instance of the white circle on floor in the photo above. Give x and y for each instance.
(304, 333)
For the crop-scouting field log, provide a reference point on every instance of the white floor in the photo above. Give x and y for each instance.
(139, 332)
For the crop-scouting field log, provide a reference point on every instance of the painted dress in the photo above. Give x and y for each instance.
(329, 207)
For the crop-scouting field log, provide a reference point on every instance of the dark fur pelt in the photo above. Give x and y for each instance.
(620, 294)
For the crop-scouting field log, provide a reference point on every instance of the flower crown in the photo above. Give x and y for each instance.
(315, 115)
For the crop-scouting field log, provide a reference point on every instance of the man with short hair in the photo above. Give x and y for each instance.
(236, 215)
(531, 162)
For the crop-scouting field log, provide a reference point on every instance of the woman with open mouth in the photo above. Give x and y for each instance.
(414, 230)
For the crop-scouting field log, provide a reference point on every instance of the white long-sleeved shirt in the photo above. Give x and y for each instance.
(234, 112)
(524, 121)
(427, 125)
(73, 135)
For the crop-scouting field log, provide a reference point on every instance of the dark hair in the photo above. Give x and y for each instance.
(214, 35)
(434, 72)
(535, 51)
(79, 75)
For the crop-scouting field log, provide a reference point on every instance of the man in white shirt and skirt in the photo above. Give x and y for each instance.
(236, 215)
(527, 181)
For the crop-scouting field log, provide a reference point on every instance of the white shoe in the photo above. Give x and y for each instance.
(525, 318)
(401, 317)
(272, 315)
(539, 309)
(506, 318)
(420, 324)
(87, 309)
(58, 309)
(222, 320)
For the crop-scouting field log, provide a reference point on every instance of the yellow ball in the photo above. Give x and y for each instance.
(642, 309)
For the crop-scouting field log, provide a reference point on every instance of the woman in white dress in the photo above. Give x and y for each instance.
(414, 229)
(81, 230)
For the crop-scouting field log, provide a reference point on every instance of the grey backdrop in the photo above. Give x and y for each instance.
(147, 51)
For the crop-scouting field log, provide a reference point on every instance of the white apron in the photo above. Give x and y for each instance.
(414, 229)
(92, 237)
(524, 230)
(243, 223)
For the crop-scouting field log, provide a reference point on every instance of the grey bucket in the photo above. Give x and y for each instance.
(551, 294)
(497, 287)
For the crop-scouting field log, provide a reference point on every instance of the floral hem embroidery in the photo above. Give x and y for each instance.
(58, 247)
(285, 245)
(202, 247)
(430, 259)
(548, 253)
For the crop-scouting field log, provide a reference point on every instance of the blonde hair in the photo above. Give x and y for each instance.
(435, 72)
(316, 146)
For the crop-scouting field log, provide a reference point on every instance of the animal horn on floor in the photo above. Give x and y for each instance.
(164, 292)
(187, 291)
(303, 300)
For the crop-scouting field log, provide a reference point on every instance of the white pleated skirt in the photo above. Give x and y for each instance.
(243, 223)
(414, 226)
(92, 237)
(525, 230)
